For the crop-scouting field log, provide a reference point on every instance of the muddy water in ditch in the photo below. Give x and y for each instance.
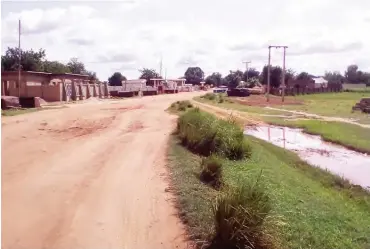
(349, 164)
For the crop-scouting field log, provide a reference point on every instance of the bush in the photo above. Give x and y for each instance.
(210, 96)
(221, 99)
(212, 171)
(240, 215)
(205, 134)
(181, 105)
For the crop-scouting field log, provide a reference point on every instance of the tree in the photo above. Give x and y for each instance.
(303, 76)
(93, 77)
(148, 74)
(275, 76)
(351, 74)
(233, 78)
(252, 72)
(116, 79)
(30, 60)
(76, 67)
(334, 77)
(55, 67)
(214, 79)
(194, 75)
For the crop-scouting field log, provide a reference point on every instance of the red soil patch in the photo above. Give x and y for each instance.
(128, 108)
(260, 100)
(135, 126)
(81, 127)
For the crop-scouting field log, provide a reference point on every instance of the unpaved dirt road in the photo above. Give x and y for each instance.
(90, 176)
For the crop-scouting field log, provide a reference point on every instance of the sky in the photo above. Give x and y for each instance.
(125, 36)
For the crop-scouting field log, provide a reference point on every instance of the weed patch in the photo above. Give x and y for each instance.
(203, 133)
(211, 171)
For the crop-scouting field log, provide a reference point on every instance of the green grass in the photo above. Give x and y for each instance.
(351, 136)
(14, 112)
(20, 111)
(230, 104)
(332, 104)
(315, 209)
(325, 104)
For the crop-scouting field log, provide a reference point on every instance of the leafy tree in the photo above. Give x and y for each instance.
(55, 67)
(275, 76)
(194, 75)
(303, 76)
(334, 77)
(147, 74)
(76, 67)
(116, 79)
(233, 78)
(351, 74)
(30, 60)
(252, 72)
(214, 79)
(92, 76)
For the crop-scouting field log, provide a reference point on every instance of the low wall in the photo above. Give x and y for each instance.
(49, 93)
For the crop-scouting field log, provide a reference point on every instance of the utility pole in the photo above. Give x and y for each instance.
(283, 73)
(283, 76)
(19, 59)
(160, 67)
(246, 67)
(268, 75)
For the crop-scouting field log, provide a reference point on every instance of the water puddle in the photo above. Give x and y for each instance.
(339, 160)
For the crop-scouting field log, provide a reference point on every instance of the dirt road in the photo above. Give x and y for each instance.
(90, 176)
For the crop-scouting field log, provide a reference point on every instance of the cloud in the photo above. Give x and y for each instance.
(245, 46)
(81, 41)
(327, 48)
(130, 35)
(187, 60)
(116, 57)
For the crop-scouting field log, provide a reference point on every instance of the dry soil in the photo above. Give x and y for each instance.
(92, 175)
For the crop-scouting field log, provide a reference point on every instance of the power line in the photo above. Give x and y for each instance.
(283, 72)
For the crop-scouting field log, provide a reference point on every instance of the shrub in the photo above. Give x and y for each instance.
(205, 134)
(240, 215)
(210, 96)
(221, 99)
(181, 105)
(211, 171)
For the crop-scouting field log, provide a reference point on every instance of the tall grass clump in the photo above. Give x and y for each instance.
(240, 216)
(209, 96)
(211, 171)
(181, 105)
(204, 134)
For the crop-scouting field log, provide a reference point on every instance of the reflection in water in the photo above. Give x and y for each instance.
(352, 165)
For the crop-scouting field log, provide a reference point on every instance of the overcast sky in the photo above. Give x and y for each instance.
(217, 36)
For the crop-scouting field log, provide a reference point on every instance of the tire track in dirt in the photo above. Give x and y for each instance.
(100, 188)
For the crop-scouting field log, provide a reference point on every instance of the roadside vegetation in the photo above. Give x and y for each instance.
(180, 106)
(19, 111)
(349, 135)
(268, 199)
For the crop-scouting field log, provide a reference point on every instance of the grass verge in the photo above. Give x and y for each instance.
(313, 208)
(19, 111)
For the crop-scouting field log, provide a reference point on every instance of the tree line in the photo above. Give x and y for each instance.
(195, 75)
(35, 61)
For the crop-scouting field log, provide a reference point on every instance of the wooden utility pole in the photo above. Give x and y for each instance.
(19, 59)
(283, 76)
(283, 73)
(246, 67)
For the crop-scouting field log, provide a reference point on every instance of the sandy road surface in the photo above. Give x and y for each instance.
(90, 176)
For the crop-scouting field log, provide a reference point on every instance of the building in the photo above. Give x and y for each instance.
(51, 87)
(320, 82)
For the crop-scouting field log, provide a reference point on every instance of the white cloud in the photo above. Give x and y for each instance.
(215, 35)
